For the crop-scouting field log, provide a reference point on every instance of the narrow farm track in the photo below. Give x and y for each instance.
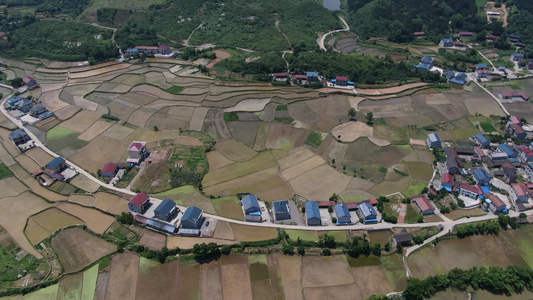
(322, 38)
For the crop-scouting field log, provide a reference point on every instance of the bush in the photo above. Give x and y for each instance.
(334, 220)
(110, 117)
(326, 252)
(125, 218)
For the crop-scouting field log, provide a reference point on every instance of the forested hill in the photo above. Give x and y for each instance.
(241, 23)
(397, 20)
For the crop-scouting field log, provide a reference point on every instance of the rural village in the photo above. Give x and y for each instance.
(150, 172)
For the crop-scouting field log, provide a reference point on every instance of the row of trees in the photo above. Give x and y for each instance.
(513, 279)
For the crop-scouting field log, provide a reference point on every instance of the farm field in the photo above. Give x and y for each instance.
(511, 247)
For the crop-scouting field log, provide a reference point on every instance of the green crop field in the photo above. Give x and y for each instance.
(13, 262)
(175, 89)
(59, 132)
(281, 107)
(304, 235)
(5, 171)
(231, 116)
(487, 127)
(314, 139)
(191, 157)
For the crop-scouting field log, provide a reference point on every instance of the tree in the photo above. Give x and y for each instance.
(370, 118)
(287, 249)
(329, 241)
(326, 252)
(387, 247)
(156, 128)
(99, 172)
(420, 219)
(125, 218)
(301, 251)
(352, 113)
(16, 82)
(399, 248)
(204, 252)
(376, 249)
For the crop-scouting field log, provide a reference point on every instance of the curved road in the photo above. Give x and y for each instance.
(322, 38)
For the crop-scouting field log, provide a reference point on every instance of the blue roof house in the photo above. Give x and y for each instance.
(510, 152)
(446, 42)
(449, 74)
(343, 214)
(192, 218)
(482, 67)
(434, 141)
(24, 105)
(312, 77)
(166, 211)
(428, 60)
(368, 213)
(251, 205)
(481, 140)
(459, 79)
(58, 164)
(281, 210)
(482, 177)
(517, 56)
(312, 213)
(423, 67)
(12, 101)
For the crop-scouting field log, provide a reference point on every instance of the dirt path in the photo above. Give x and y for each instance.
(276, 24)
(186, 41)
(105, 27)
(505, 15)
(403, 210)
(322, 38)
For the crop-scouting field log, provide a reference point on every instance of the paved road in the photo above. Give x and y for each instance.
(322, 38)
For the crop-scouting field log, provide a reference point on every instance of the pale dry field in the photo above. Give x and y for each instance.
(351, 131)
(95, 220)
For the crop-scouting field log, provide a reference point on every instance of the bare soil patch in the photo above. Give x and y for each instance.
(315, 271)
(236, 273)
(157, 279)
(235, 151)
(320, 183)
(95, 220)
(95, 130)
(40, 156)
(77, 249)
(152, 240)
(351, 131)
(245, 233)
(217, 160)
(124, 268)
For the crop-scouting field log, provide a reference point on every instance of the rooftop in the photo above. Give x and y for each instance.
(422, 202)
(109, 168)
(281, 206)
(139, 199)
(495, 200)
(311, 209)
(136, 146)
(165, 207)
(192, 214)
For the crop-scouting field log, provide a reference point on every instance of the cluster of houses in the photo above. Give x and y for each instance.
(311, 77)
(163, 50)
(509, 162)
(55, 170)
(166, 216)
(363, 210)
(27, 110)
(137, 153)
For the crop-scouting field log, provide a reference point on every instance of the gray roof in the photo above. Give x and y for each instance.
(367, 210)
(165, 207)
(281, 206)
(433, 137)
(159, 225)
(192, 214)
(402, 237)
(341, 210)
(311, 209)
(17, 133)
(38, 108)
(250, 201)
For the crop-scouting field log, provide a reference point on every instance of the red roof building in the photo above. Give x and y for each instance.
(326, 203)
(491, 37)
(419, 33)
(372, 201)
(423, 204)
(139, 203)
(352, 205)
(495, 200)
(109, 170)
(278, 75)
(299, 76)
(447, 179)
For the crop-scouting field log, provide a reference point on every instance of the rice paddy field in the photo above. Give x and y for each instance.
(270, 276)
(510, 247)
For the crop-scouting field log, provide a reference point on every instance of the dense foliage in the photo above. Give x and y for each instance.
(240, 23)
(513, 279)
(62, 40)
(51, 7)
(397, 20)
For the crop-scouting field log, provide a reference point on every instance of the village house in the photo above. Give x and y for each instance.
(137, 152)
(514, 38)
(470, 191)
(482, 67)
(459, 79)
(524, 153)
(460, 45)
(520, 192)
(423, 204)
(24, 105)
(368, 213)
(508, 150)
(280, 76)
(252, 210)
(481, 177)
(419, 34)
(161, 226)
(312, 214)
(165, 50)
(11, 102)
(466, 34)
(518, 132)
(326, 204)
(528, 169)
(281, 210)
(479, 152)
(192, 218)
(19, 137)
(343, 214)
(37, 110)
(492, 38)
(513, 95)
(481, 140)
(517, 56)
(509, 173)
(433, 140)
(447, 181)
(402, 238)
(481, 73)
(139, 203)
(166, 210)
(109, 170)
(30, 82)
(313, 77)
(341, 80)
(446, 43)
(495, 204)
(453, 162)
